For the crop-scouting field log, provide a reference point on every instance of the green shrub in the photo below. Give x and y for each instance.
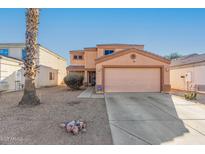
(190, 95)
(74, 81)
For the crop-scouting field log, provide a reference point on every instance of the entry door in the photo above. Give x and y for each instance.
(91, 78)
(132, 80)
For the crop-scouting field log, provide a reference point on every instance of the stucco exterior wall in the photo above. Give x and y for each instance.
(125, 60)
(53, 61)
(100, 49)
(9, 73)
(197, 77)
(90, 57)
(42, 78)
(15, 52)
(45, 58)
(77, 61)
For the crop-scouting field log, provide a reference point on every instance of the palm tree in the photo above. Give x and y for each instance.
(30, 64)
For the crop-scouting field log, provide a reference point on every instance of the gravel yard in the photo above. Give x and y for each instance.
(40, 124)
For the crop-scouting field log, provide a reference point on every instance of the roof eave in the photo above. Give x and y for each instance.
(116, 44)
(145, 53)
(180, 65)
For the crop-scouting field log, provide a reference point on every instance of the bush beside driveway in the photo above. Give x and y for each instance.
(199, 99)
(40, 124)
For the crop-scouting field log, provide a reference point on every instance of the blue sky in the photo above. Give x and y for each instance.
(162, 31)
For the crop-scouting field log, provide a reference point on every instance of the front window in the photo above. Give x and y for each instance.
(51, 76)
(4, 52)
(78, 57)
(108, 52)
(24, 54)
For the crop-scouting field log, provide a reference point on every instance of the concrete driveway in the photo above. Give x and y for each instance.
(154, 118)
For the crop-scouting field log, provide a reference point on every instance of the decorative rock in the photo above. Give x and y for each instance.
(74, 126)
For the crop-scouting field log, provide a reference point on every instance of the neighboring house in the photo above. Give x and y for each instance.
(188, 73)
(52, 67)
(121, 68)
(10, 71)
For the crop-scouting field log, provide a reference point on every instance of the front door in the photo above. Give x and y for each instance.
(91, 78)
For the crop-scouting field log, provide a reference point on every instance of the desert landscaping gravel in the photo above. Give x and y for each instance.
(40, 124)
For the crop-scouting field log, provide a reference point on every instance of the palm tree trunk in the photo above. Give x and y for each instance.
(30, 64)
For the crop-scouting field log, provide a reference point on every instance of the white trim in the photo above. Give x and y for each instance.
(11, 59)
(51, 52)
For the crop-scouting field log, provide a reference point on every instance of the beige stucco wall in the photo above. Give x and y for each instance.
(8, 72)
(100, 49)
(197, 76)
(200, 75)
(125, 60)
(42, 78)
(77, 61)
(15, 52)
(90, 57)
(45, 57)
(53, 61)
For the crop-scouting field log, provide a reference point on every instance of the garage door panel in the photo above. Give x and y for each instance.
(132, 80)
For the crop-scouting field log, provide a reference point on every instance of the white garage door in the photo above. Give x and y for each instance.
(132, 79)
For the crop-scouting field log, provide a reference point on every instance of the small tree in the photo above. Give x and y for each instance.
(74, 81)
(173, 56)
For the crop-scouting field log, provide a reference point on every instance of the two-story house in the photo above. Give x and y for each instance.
(121, 68)
(52, 67)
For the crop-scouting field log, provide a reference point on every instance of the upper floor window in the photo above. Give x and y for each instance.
(108, 52)
(24, 54)
(4, 52)
(78, 57)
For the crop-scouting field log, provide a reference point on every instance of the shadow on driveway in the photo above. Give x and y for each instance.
(143, 118)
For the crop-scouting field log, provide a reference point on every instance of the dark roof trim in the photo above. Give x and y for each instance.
(116, 44)
(75, 51)
(90, 49)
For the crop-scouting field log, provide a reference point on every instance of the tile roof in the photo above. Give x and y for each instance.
(188, 59)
